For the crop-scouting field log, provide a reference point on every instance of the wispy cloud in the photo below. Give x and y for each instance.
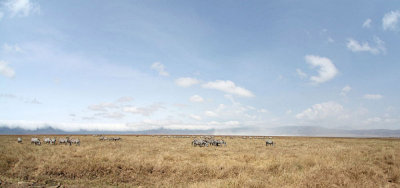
(6, 70)
(196, 117)
(345, 90)
(9, 48)
(186, 81)
(373, 96)
(20, 98)
(21, 8)
(228, 87)
(390, 20)
(116, 110)
(196, 98)
(125, 99)
(367, 23)
(321, 111)
(210, 113)
(356, 46)
(102, 106)
(326, 69)
(159, 68)
(301, 74)
(144, 111)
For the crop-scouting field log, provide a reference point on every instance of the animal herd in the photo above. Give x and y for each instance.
(203, 141)
(53, 141)
(109, 138)
(208, 140)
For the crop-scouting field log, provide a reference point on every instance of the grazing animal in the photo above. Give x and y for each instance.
(199, 142)
(116, 138)
(63, 141)
(269, 142)
(19, 140)
(74, 141)
(46, 140)
(220, 142)
(35, 141)
(53, 141)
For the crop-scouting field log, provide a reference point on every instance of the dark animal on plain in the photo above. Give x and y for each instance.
(219, 142)
(199, 142)
(269, 142)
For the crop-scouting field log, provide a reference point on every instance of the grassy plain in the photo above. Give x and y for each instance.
(148, 161)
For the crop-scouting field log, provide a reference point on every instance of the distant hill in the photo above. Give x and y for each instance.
(276, 131)
(321, 131)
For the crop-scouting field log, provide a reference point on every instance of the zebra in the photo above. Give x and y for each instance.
(219, 142)
(269, 142)
(116, 138)
(74, 141)
(53, 141)
(63, 141)
(19, 140)
(199, 142)
(35, 141)
(46, 140)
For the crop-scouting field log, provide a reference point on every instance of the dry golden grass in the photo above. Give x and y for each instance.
(172, 162)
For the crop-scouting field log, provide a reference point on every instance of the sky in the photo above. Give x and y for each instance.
(199, 65)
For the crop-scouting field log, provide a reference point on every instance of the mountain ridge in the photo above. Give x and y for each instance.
(275, 131)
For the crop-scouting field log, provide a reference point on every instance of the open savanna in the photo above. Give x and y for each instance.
(149, 161)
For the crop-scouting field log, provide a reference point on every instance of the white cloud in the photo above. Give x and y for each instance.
(356, 46)
(210, 114)
(186, 81)
(134, 126)
(327, 70)
(321, 111)
(262, 110)
(159, 68)
(102, 106)
(23, 99)
(145, 111)
(11, 48)
(195, 117)
(345, 90)
(125, 99)
(330, 39)
(117, 109)
(228, 87)
(301, 73)
(1, 15)
(373, 120)
(196, 98)
(5, 70)
(367, 23)
(390, 20)
(21, 7)
(111, 115)
(373, 96)
(227, 124)
(33, 101)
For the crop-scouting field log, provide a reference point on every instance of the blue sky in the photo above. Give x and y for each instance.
(137, 65)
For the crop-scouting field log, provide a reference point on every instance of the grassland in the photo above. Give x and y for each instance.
(172, 162)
